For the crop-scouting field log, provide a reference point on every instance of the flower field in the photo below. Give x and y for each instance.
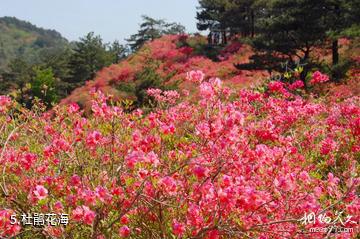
(235, 164)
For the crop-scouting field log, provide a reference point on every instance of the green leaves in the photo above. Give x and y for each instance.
(43, 85)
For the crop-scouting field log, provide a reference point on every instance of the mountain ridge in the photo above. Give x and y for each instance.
(22, 39)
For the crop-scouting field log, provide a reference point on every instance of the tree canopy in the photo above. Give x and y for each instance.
(151, 29)
(282, 29)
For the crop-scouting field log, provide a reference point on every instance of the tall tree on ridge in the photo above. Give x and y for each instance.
(118, 51)
(151, 29)
(237, 15)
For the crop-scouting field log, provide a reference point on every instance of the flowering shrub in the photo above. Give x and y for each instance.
(233, 165)
(167, 96)
(195, 76)
(318, 77)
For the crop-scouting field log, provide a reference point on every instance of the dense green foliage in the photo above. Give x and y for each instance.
(43, 85)
(342, 19)
(90, 54)
(237, 16)
(283, 30)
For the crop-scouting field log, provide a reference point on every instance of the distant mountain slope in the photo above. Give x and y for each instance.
(22, 39)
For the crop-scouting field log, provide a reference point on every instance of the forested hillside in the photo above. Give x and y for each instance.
(21, 39)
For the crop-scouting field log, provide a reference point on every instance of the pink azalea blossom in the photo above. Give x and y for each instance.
(195, 76)
(73, 107)
(89, 216)
(40, 192)
(296, 85)
(124, 231)
(318, 77)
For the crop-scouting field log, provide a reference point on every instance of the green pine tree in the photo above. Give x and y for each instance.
(343, 20)
(289, 31)
(151, 29)
(90, 55)
(236, 15)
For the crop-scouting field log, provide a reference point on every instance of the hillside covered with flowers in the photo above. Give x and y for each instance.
(165, 62)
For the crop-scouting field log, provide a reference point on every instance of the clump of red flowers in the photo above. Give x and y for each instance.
(318, 77)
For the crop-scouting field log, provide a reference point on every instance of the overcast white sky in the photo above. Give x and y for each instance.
(112, 19)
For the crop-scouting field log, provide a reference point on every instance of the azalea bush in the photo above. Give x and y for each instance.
(235, 164)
